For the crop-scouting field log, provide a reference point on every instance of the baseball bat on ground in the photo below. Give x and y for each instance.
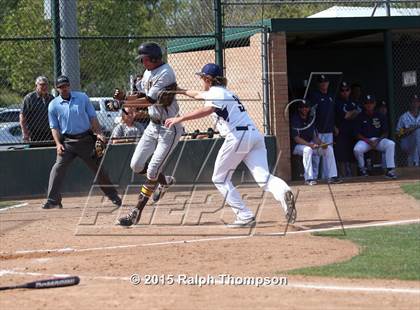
(48, 283)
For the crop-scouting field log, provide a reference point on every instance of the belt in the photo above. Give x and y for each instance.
(242, 128)
(79, 135)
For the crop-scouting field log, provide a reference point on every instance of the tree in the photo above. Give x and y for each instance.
(105, 63)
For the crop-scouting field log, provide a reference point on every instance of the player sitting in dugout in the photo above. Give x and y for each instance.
(408, 130)
(371, 130)
(306, 143)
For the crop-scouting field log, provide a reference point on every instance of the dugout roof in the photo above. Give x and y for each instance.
(312, 30)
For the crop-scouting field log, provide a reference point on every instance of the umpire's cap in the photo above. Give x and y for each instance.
(62, 80)
(210, 69)
(150, 49)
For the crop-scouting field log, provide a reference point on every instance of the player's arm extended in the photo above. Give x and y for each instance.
(195, 94)
(199, 113)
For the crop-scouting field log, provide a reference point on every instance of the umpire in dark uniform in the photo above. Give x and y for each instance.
(73, 122)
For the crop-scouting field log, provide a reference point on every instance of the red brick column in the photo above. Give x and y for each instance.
(278, 101)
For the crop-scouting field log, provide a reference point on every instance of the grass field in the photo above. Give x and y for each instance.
(386, 252)
(5, 204)
(412, 189)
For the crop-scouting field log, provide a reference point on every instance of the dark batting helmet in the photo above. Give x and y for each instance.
(150, 49)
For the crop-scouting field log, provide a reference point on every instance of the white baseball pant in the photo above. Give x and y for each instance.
(247, 146)
(325, 138)
(308, 154)
(411, 146)
(156, 143)
(385, 146)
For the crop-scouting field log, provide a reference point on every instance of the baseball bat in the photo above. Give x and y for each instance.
(48, 283)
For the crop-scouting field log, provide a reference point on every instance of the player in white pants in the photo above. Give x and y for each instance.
(309, 145)
(408, 129)
(372, 130)
(243, 142)
(157, 142)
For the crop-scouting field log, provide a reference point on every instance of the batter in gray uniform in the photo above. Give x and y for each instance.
(157, 141)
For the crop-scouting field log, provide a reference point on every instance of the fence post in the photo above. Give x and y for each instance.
(266, 86)
(55, 19)
(218, 32)
(388, 8)
(390, 80)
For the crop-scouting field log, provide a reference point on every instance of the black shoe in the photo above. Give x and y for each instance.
(291, 212)
(131, 218)
(49, 205)
(390, 174)
(116, 201)
(334, 180)
(363, 173)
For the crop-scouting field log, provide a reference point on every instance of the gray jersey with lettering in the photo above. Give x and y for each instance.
(152, 83)
(157, 142)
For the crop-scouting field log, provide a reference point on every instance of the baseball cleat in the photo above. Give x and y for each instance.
(49, 205)
(162, 189)
(132, 218)
(334, 180)
(291, 212)
(238, 223)
(363, 172)
(390, 174)
(116, 201)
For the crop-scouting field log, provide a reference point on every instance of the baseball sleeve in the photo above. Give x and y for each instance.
(165, 79)
(25, 106)
(400, 124)
(52, 116)
(210, 101)
(294, 124)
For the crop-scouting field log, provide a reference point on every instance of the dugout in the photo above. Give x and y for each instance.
(379, 53)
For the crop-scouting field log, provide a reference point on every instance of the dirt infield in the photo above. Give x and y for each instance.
(186, 235)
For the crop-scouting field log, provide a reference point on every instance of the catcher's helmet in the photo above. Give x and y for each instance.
(150, 49)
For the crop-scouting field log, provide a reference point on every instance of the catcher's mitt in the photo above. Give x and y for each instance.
(99, 149)
(167, 95)
(113, 104)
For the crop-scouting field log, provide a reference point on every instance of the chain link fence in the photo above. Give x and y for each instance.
(95, 45)
(406, 68)
(97, 42)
